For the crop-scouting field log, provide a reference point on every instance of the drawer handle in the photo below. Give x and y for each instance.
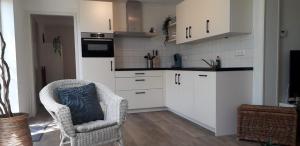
(202, 75)
(207, 26)
(140, 92)
(178, 81)
(139, 73)
(186, 32)
(140, 80)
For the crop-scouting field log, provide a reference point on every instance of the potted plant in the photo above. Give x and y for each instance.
(14, 129)
(165, 28)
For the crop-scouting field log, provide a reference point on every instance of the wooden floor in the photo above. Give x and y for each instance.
(156, 129)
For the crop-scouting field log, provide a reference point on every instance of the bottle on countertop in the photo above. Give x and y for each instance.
(149, 61)
(218, 62)
(156, 60)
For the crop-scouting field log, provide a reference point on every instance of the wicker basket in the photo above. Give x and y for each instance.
(260, 123)
(15, 131)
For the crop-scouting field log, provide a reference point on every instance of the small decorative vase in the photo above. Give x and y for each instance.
(14, 131)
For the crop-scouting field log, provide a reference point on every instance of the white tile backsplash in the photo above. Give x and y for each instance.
(225, 48)
(130, 52)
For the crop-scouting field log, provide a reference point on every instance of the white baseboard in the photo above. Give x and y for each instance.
(147, 110)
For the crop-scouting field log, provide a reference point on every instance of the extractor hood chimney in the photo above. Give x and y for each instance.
(134, 16)
(134, 21)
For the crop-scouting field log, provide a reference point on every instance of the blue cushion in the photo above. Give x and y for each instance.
(83, 103)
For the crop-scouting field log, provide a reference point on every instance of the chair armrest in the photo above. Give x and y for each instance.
(64, 119)
(60, 113)
(117, 109)
(121, 108)
(116, 106)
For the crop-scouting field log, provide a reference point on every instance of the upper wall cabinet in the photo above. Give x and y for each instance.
(200, 19)
(96, 16)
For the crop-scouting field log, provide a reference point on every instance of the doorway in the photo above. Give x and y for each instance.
(53, 50)
(289, 40)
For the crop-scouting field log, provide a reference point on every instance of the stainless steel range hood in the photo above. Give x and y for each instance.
(134, 21)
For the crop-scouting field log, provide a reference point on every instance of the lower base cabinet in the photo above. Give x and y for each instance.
(142, 89)
(205, 98)
(209, 99)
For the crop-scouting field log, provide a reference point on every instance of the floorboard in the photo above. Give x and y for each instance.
(152, 129)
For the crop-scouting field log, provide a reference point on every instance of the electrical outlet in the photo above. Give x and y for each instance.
(240, 52)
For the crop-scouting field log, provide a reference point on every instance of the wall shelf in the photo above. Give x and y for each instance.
(135, 34)
(172, 24)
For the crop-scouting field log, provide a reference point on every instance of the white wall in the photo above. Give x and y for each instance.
(258, 61)
(291, 23)
(51, 6)
(8, 30)
(271, 69)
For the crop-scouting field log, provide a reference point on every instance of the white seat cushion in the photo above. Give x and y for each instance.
(93, 125)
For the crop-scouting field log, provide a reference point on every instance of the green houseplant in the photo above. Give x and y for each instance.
(13, 126)
(165, 28)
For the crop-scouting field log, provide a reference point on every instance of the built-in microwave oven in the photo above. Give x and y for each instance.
(97, 44)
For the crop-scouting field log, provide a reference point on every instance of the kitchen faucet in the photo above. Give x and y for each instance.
(212, 63)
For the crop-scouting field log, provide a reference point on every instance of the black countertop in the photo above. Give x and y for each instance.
(187, 69)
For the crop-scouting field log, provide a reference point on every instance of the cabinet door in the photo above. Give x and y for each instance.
(216, 17)
(199, 21)
(182, 20)
(96, 16)
(186, 93)
(171, 87)
(205, 98)
(99, 70)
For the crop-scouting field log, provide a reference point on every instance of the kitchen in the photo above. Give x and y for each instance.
(184, 66)
(203, 76)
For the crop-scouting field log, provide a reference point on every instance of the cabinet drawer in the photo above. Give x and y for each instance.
(140, 99)
(128, 74)
(139, 83)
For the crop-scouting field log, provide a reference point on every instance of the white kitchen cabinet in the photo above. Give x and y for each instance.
(181, 22)
(99, 70)
(142, 89)
(205, 98)
(178, 91)
(201, 19)
(96, 16)
(209, 99)
(171, 88)
(186, 98)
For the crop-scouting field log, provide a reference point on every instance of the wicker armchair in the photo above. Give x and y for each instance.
(96, 132)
